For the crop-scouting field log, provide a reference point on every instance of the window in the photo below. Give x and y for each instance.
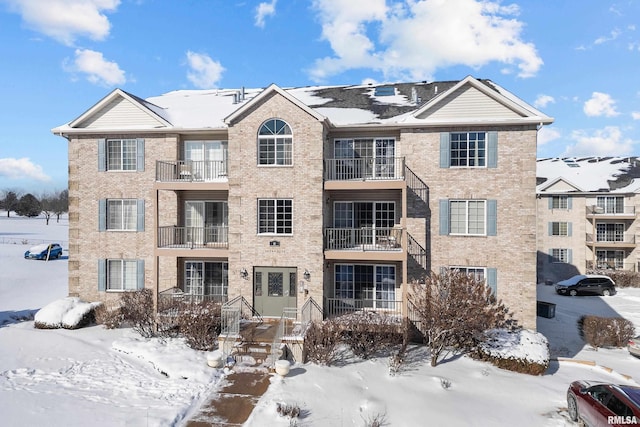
(468, 149)
(120, 275)
(467, 217)
(559, 228)
(121, 154)
(275, 143)
(275, 216)
(561, 255)
(477, 273)
(611, 204)
(122, 214)
(613, 260)
(559, 202)
(609, 232)
(482, 274)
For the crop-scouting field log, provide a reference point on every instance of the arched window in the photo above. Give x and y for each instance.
(275, 143)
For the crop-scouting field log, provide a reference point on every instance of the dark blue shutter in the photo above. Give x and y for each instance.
(492, 149)
(492, 280)
(140, 274)
(445, 150)
(102, 214)
(102, 275)
(140, 153)
(140, 219)
(492, 217)
(444, 217)
(102, 155)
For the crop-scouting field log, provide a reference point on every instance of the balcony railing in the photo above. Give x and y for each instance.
(612, 238)
(612, 264)
(191, 170)
(364, 169)
(363, 239)
(340, 306)
(612, 210)
(193, 237)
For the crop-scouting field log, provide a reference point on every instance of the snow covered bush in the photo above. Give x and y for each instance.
(68, 313)
(453, 310)
(137, 310)
(605, 331)
(521, 350)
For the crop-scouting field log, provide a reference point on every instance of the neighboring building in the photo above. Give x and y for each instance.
(340, 194)
(587, 215)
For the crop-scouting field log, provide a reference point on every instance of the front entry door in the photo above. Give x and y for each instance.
(274, 288)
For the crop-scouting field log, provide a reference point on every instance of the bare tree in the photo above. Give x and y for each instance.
(47, 203)
(61, 204)
(454, 309)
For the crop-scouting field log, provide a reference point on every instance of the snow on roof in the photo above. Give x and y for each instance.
(590, 174)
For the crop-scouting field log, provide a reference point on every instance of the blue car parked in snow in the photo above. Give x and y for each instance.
(44, 251)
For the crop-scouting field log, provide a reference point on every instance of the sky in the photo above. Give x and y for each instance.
(575, 60)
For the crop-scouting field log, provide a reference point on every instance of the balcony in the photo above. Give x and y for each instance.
(611, 264)
(209, 237)
(191, 171)
(619, 212)
(384, 172)
(612, 240)
(334, 307)
(365, 243)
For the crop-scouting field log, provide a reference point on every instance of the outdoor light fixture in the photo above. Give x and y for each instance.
(244, 273)
(306, 274)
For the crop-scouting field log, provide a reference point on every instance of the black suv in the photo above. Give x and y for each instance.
(586, 284)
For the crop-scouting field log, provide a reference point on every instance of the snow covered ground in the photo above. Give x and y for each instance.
(113, 377)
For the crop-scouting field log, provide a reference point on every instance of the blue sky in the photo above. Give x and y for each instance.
(576, 60)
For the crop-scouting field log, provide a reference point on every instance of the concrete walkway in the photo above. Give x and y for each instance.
(234, 402)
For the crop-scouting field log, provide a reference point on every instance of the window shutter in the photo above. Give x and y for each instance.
(569, 227)
(550, 259)
(102, 155)
(550, 229)
(492, 217)
(492, 149)
(102, 275)
(102, 215)
(492, 280)
(444, 217)
(569, 256)
(140, 274)
(445, 150)
(569, 202)
(550, 202)
(140, 159)
(140, 220)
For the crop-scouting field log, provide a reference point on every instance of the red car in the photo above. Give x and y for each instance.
(602, 404)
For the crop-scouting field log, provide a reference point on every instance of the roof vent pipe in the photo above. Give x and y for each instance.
(435, 89)
(242, 94)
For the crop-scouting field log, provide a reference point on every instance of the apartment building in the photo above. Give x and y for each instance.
(339, 195)
(587, 215)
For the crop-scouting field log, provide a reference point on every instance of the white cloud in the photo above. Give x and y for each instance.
(547, 134)
(22, 169)
(612, 36)
(67, 20)
(543, 100)
(603, 142)
(600, 104)
(263, 10)
(635, 115)
(204, 72)
(414, 38)
(96, 68)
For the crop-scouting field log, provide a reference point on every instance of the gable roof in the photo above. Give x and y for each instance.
(589, 174)
(389, 104)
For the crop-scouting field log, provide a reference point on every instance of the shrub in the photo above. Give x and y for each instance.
(321, 342)
(622, 278)
(200, 325)
(453, 310)
(137, 310)
(68, 313)
(522, 351)
(109, 315)
(368, 333)
(605, 331)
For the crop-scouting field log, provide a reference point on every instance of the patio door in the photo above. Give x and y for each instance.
(365, 158)
(206, 221)
(207, 159)
(372, 285)
(367, 219)
(205, 278)
(274, 288)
